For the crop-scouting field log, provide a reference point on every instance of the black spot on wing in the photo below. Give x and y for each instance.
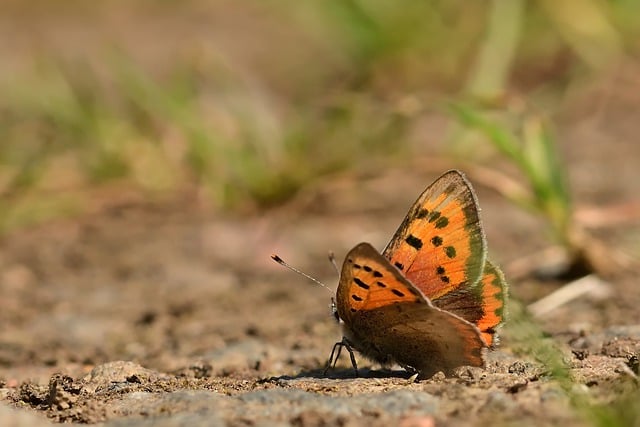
(398, 293)
(380, 284)
(442, 222)
(436, 241)
(434, 216)
(450, 251)
(422, 213)
(399, 265)
(356, 297)
(440, 270)
(377, 274)
(360, 283)
(414, 242)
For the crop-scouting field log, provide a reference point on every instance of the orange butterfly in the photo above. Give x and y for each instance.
(431, 301)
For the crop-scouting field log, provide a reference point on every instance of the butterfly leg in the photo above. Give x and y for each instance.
(410, 369)
(335, 354)
(333, 357)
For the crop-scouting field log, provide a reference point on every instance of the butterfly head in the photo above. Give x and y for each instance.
(334, 310)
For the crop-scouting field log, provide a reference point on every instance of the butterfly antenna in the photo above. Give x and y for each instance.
(332, 260)
(280, 261)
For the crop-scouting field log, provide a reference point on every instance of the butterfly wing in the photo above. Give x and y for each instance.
(388, 320)
(417, 335)
(482, 303)
(440, 245)
(494, 295)
(368, 282)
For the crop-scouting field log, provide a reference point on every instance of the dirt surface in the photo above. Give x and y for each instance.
(164, 314)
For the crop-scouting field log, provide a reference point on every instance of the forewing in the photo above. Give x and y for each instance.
(440, 245)
(368, 281)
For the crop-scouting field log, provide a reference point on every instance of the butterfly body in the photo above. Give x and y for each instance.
(430, 301)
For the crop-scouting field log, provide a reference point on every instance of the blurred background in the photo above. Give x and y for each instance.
(154, 153)
(241, 105)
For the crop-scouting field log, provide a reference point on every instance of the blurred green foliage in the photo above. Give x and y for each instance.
(527, 141)
(335, 85)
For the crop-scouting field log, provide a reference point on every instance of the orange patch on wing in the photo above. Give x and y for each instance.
(423, 271)
(446, 246)
(440, 244)
(493, 300)
(375, 295)
(368, 282)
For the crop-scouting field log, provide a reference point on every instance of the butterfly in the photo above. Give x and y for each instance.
(431, 301)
